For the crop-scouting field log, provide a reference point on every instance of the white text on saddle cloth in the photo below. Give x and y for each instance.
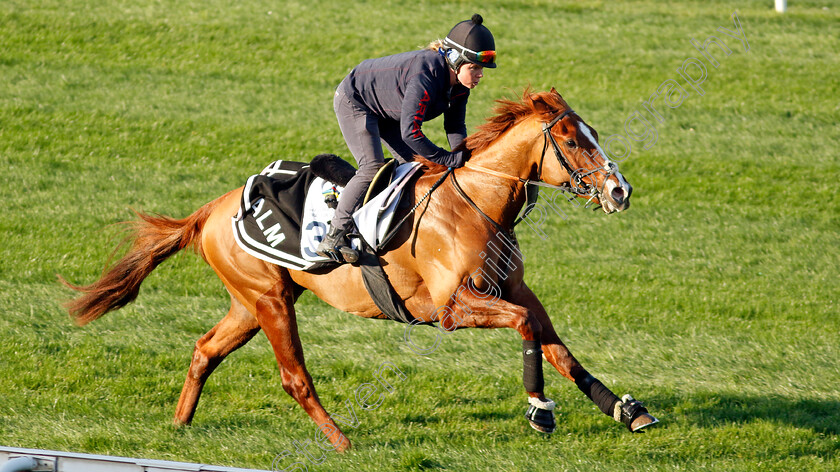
(273, 235)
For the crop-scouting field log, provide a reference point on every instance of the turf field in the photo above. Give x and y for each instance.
(714, 299)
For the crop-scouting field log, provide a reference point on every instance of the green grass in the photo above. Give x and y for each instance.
(714, 299)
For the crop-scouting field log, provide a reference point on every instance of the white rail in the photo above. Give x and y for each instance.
(58, 461)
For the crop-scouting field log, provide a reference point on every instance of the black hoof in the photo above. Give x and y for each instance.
(634, 415)
(541, 420)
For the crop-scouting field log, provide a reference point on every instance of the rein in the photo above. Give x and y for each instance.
(396, 227)
(580, 187)
(469, 200)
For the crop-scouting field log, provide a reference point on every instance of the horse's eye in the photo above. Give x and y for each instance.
(571, 143)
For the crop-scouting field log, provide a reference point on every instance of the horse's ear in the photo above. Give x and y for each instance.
(541, 105)
(555, 92)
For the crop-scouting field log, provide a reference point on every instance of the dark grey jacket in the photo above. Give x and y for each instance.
(412, 88)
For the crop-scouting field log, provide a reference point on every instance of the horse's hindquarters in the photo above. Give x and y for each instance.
(245, 277)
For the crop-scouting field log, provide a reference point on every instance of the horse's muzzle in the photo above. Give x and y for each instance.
(616, 195)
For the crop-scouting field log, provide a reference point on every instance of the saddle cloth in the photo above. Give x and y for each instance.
(285, 212)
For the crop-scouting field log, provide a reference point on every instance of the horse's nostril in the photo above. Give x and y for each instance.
(617, 194)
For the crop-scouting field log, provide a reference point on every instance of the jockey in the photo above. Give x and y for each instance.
(389, 98)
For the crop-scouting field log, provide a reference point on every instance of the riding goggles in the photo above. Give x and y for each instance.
(485, 57)
(481, 57)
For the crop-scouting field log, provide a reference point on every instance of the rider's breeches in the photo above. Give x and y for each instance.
(364, 134)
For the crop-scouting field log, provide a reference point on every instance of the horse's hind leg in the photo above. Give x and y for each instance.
(231, 333)
(276, 315)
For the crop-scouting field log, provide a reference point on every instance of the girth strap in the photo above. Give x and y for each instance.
(381, 290)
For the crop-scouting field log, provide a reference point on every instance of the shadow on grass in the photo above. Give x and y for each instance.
(496, 415)
(420, 419)
(708, 410)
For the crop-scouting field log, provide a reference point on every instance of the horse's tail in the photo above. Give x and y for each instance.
(153, 240)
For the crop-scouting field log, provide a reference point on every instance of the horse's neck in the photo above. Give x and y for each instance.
(500, 198)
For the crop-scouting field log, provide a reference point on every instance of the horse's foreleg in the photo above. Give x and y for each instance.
(276, 315)
(473, 312)
(235, 329)
(629, 411)
(559, 356)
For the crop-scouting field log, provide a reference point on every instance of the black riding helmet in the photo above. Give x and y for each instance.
(470, 41)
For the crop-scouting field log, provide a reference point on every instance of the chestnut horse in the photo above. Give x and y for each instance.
(536, 140)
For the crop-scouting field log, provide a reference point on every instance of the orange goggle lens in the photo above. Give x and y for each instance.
(486, 56)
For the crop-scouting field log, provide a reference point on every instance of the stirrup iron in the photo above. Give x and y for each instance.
(335, 246)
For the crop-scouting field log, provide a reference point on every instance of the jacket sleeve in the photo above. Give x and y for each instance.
(419, 93)
(454, 119)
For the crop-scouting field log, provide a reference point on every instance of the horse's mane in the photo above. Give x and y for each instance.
(508, 113)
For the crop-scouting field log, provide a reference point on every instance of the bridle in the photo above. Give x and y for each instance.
(579, 187)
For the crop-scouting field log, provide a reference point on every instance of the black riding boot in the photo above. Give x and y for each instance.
(336, 247)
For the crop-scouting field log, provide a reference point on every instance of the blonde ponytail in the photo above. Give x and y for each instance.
(435, 45)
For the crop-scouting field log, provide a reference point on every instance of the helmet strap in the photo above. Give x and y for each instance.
(454, 73)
